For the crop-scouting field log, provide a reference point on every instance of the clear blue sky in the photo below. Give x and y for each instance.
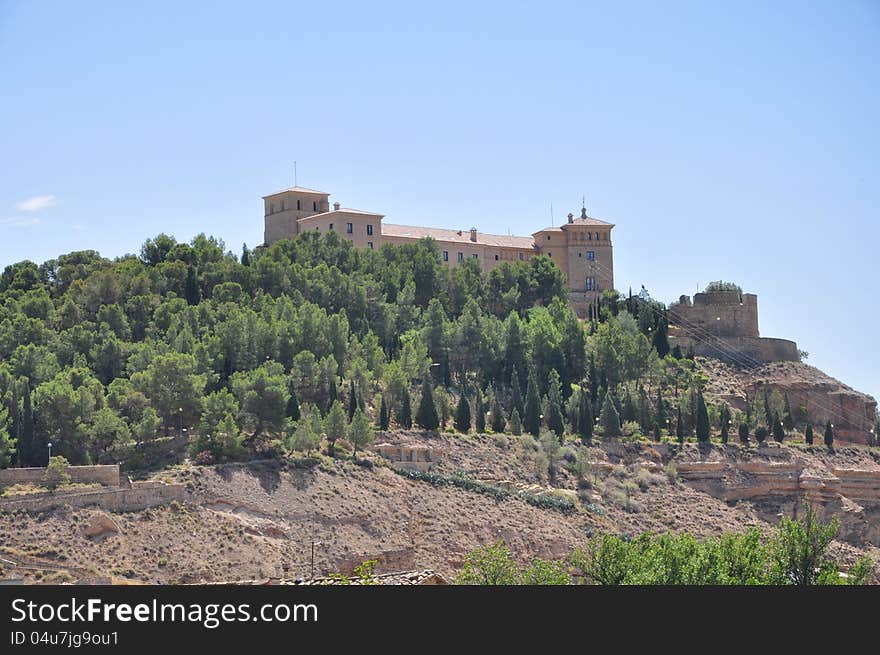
(725, 140)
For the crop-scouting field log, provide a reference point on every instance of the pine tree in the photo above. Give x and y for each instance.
(515, 423)
(334, 426)
(426, 416)
(479, 414)
(462, 420)
(702, 419)
(384, 418)
(404, 416)
(609, 418)
(661, 336)
(352, 400)
(532, 409)
(808, 434)
(516, 400)
(496, 417)
(245, 255)
(829, 434)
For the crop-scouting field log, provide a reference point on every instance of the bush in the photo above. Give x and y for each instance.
(761, 434)
(57, 472)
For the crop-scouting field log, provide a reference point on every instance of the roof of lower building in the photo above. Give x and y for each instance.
(298, 189)
(462, 237)
(341, 210)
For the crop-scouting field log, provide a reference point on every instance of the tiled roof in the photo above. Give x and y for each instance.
(457, 236)
(298, 189)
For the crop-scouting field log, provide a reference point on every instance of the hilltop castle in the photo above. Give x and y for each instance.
(581, 247)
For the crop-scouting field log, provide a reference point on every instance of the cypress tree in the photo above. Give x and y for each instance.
(676, 352)
(725, 423)
(585, 418)
(292, 410)
(404, 416)
(352, 400)
(629, 407)
(245, 255)
(829, 434)
(660, 409)
(778, 430)
(479, 414)
(661, 337)
(16, 424)
(462, 420)
(532, 408)
(808, 434)
(702, 419)
(27, 425)
(593, 380)
(516, 392)
(787, 418)
(331, 395)
(191, 291)
(609, 418)
(384, 418)
(744, 432)
(515, 423)
(426, 416)
(496, 417)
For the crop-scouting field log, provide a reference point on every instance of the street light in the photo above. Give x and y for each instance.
(50, 451)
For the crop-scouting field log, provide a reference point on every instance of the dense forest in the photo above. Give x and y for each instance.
(311, 341)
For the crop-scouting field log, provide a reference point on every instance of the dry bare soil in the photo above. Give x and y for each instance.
(268, 519)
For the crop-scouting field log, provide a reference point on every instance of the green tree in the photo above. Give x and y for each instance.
(352, 400)
(829, 434)
(57, 472)
(799, 550)
(360, 432)
(404, 414)
(679, 426)
(702, 419)
(7, 443)
(660, 340)
(263, 396)
(609, 418)
(479, 415)
(808, 434)
(585, 417)
(532, 408)
(725, 421)
(489, 565)
(550, 447)
(744, 432)
(555, 420)
(462, 419)
(334, 426)
(426, 415)
(306, 435)
(26, 442)
(496, 416)
(384, 418)
(174, 388)
(515, 423)
(516, 400)
(292, 410)
(778, 430)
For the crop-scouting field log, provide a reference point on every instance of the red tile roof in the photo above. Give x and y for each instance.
(457, 236)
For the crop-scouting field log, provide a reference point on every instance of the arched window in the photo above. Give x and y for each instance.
(298, 205)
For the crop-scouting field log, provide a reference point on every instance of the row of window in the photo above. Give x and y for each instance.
(298, 206)
(578, 236)
(460, 256)
(349, 229)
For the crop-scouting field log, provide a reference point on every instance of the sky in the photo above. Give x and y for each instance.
(725, 140)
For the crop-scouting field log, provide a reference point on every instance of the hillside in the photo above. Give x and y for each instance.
(253, 520)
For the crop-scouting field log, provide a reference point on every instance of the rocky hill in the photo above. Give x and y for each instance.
(265, 519)
(814, 395)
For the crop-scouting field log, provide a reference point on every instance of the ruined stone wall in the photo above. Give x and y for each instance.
(140, 496)
(107, 475)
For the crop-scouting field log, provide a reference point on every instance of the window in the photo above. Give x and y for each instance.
(460, 256)
(370, 245)
(496, 258)
(522, 256)
(271, 207)
(349, 228)
(282, 205)
(331, 226)
(591, 283)
(597, 236)
(591, 255)
(549, 254)
(369, 230)
(579, 255)
(548, 237)
(314, 206)
(589, 236)
(474, 255)
(445, 255)
(298, 205)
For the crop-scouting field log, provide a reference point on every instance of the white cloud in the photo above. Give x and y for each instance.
(19, 221)
(36, 203)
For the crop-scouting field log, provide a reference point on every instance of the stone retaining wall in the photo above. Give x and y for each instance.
(108, 475)
(140, 496)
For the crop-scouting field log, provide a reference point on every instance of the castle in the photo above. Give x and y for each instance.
(581, 248)
(723, 324)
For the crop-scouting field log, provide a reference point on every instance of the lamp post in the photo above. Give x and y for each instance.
(50, 452)
(179, 420)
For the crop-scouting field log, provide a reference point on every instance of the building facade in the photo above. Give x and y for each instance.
(581, 247)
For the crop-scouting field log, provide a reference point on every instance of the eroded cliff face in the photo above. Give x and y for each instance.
(775, 481)
(813, 395)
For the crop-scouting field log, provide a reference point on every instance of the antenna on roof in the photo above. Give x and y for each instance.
(294, 175)
(551, 214)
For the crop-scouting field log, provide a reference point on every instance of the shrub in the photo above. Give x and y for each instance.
(57, 472)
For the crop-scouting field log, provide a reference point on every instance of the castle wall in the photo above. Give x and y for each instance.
(107, 475)
(723, 314)
(140, 496)
(739, 350)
